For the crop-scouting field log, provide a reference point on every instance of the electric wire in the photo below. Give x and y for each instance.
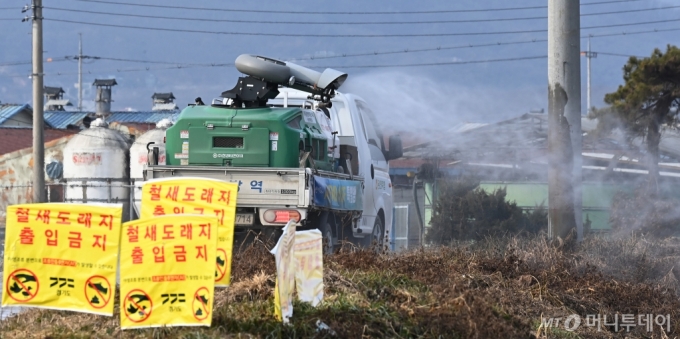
(298, 22)
(443, 63)
(656, 30)
(438, 48)
(618, 54)
(416, 50)
(154, 62)
(18, 63)
(213, 9)
(125, 70)
(348, 35)
(177, 67)
(347, 55)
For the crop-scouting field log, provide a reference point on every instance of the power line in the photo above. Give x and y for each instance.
(656, 30)
(437, 63)
(179, 65)
(345, 35)
(630, 11)
(213, 9)
(47, 60)
(632, 24)
(357, 66)
(620, 55)
(291, 34)
(298, 22)
(607, 2)
(438, 48)
(416, 50)
(152, 62)
(125, 70)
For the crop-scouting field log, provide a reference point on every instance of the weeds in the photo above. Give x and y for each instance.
(497, 287)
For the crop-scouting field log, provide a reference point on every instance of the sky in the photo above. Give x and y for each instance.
(463, 92)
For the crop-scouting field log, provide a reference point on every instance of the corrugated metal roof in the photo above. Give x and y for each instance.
(61, 119)
(158, 116)
(142, 116)
(9, 110)
(165, 107)
(58, 102)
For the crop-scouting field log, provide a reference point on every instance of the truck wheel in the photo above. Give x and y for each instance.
(378, 234)
(327, 238)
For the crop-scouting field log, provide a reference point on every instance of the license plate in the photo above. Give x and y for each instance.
(244, 219)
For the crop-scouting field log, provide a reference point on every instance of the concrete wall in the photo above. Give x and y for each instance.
(16, 174)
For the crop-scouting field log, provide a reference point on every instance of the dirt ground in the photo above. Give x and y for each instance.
(497, 288)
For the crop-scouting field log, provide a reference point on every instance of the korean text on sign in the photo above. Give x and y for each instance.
(62, 256)
(166, 271)
(197, 196)
(309, 266)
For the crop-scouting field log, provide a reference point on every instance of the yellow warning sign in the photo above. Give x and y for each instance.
(309, 266)
(62, 256)
(166, 266)
(197, 196)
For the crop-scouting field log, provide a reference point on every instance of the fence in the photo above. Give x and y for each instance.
(399, 235)
(94, 191)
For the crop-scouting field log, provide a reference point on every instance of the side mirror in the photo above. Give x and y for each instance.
(396, 151)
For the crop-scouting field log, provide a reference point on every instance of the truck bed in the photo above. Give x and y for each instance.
(258, 187)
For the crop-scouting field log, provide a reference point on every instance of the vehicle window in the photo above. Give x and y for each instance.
(376, 153)
(295, 122)
(344, 119)
(373, 135)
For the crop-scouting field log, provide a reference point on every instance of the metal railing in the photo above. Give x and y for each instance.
(57, 192)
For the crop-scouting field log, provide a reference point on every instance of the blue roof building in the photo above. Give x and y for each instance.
(17, 115)
(62, 119)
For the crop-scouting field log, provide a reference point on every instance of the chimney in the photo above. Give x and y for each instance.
(103, 99)
(54, 99)
(163, 102)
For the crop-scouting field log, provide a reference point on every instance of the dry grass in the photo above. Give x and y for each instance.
(490, 289)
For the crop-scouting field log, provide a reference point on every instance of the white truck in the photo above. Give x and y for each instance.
(351, 200)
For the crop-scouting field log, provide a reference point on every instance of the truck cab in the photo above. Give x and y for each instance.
(362, 143)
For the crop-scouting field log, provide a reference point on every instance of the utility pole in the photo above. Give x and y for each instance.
(37, 77)
(589, 55)
(80, 72)
(80, 58)
(564, 119)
